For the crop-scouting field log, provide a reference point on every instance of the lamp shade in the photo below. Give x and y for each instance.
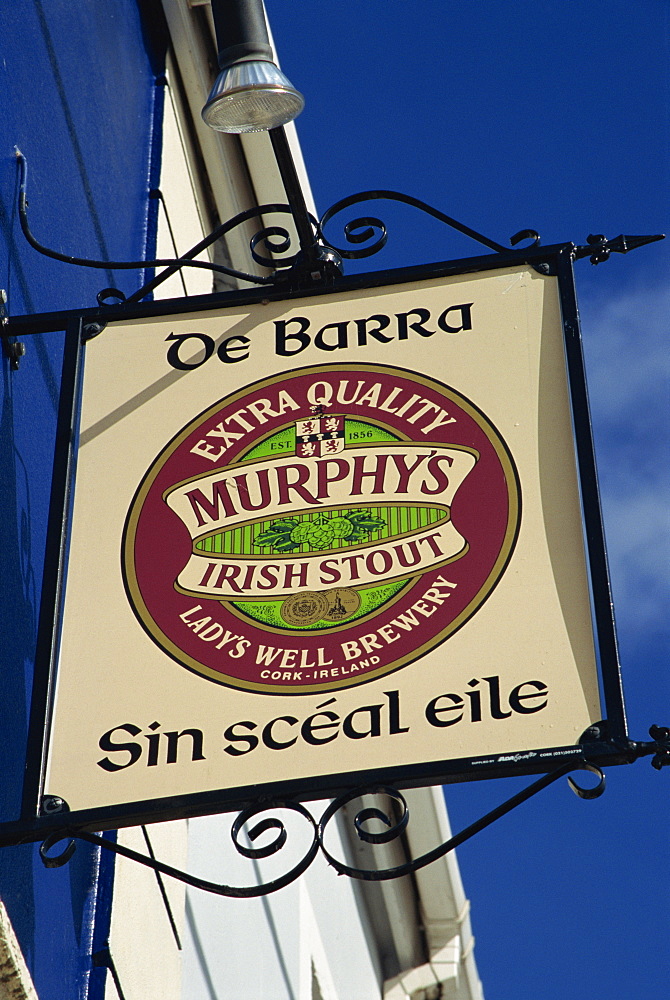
(251, 96)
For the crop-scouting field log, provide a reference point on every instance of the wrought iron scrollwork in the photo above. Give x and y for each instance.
(589, 793)
(355, 232)
(106, 294)
(171, 264)
(393, 816)
(396, 826)
(282, 245)
(315, 250)
(526, 234)
(56, 860)
(317, 258)
(256, 853)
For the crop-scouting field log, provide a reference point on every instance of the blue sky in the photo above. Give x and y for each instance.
(552, 116)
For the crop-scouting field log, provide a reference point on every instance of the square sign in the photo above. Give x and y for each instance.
(321, 540)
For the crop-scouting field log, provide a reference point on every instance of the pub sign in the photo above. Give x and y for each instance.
(318, 538)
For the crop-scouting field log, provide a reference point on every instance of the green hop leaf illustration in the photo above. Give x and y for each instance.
(363, 525)
(278, 536)
(288, 534)
(320, 535)
(363, 519)
(341, 527)
(300, 532)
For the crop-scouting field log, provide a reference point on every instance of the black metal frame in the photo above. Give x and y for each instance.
(605, 744)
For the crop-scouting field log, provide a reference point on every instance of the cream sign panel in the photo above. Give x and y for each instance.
(322, 535)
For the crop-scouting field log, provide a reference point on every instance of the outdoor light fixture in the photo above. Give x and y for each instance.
(250, 93)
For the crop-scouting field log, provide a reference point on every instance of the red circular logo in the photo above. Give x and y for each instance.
(320, 528)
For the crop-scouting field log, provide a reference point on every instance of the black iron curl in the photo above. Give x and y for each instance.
(114, 294)
(371, 221)
(270, 823)
(282, 245)
(380, 875)
(395, 827)
(372, 225)
(58, 860)
(239, 892)
(589, 793)
(171, 264)
(526, 234)
(394, 818)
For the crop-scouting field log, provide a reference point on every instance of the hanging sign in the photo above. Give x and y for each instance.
(323, 538)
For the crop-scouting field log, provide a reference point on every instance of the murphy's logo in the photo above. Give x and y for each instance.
(321, 528)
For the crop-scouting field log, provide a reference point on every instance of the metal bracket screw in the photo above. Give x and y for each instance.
(52, 804)
(91, 330)
(12, 349)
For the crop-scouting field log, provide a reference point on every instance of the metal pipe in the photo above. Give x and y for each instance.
(241, 31)
(293, 189)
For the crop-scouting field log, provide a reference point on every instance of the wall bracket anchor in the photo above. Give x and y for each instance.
(11, 347)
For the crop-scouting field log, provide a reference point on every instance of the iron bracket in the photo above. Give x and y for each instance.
(318, 262)
(392, 820)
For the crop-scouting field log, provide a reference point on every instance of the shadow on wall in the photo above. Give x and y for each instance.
(19, 598)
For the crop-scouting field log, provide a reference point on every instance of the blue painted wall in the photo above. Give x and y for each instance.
(81, 96)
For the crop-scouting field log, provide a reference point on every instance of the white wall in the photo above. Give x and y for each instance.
(268, 947)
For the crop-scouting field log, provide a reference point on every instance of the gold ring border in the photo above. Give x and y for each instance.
(506, 549)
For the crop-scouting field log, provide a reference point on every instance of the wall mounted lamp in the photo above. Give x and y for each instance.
(250, 93)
